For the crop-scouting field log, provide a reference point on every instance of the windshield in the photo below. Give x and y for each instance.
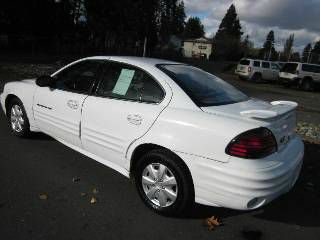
(203, 88)
(289, 67)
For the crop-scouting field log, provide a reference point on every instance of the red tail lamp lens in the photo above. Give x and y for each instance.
(253, 144)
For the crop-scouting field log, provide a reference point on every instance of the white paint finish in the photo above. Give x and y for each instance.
(235, 183)
(111, 132)
(25, 91)
(270, 74)
(118, 123)
(55, 115)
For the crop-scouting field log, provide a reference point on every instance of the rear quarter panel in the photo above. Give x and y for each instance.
(193, 132)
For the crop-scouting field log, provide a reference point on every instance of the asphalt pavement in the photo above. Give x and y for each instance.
(46, 189)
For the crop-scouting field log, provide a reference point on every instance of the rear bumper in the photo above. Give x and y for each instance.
(244, 75)
(247, 184)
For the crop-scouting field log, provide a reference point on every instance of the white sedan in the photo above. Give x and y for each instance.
(182, 134)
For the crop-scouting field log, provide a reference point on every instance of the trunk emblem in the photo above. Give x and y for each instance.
(285, 139)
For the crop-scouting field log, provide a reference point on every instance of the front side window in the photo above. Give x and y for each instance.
(274, 66)
(265, 65)
(129, 83)
(78, 78)
(202, 87)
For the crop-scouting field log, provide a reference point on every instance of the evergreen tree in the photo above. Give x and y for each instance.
(246, 46)
(315, 53)
(172, 18)
(228, 36)
(287, 49)
(268, 51)
(194, 28)
(306, 53)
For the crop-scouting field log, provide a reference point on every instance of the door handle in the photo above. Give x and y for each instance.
(134, 119)
(73, 104)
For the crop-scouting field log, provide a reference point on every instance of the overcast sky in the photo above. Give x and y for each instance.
(258, 17)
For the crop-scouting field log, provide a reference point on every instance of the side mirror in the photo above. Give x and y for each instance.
(45, 81)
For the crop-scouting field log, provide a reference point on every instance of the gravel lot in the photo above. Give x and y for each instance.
(46, 188)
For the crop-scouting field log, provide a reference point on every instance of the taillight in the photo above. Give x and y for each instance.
(249, 69)
(256, 143)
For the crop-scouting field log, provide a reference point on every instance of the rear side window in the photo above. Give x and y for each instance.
(129, 83)
(311, 68)
(308, 68)
(256, 63)
(290, 67)
(265, 64)
(245, 62)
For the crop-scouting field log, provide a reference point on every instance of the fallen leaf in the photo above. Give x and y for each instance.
(75, 179)
(43, 196)
(95, 191)
(93, 200)
(212, 222)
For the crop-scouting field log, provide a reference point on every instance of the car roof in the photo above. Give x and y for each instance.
(138, 61)
(251, 59)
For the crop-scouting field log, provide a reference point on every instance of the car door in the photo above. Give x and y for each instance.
(266, 71)
(275, 71)
(125, 106)
(57, 110)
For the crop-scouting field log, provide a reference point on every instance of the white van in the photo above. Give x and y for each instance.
(305, 75)
(257, 70)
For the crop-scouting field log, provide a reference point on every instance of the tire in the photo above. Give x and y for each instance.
(17, 119)
(257, 78)
(307, 84)
(177, 195)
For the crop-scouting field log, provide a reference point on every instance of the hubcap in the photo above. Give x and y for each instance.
(16, 118)
(159, 184)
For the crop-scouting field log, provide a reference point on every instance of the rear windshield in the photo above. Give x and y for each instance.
(203, 88)
(245, 62)
(289, 67)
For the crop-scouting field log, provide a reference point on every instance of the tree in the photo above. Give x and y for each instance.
(295, 57)
(315, 53)
(306, 53)
(228, 36)
(246, 46)
(194, 28)
(268, 51)
(287, 49)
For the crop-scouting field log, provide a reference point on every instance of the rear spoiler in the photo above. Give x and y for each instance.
(277, 109)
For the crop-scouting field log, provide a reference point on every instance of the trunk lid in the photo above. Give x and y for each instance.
(278, 116)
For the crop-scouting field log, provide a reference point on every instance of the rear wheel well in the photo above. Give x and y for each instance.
(9, 98)
(139, 152)
(143, 149)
